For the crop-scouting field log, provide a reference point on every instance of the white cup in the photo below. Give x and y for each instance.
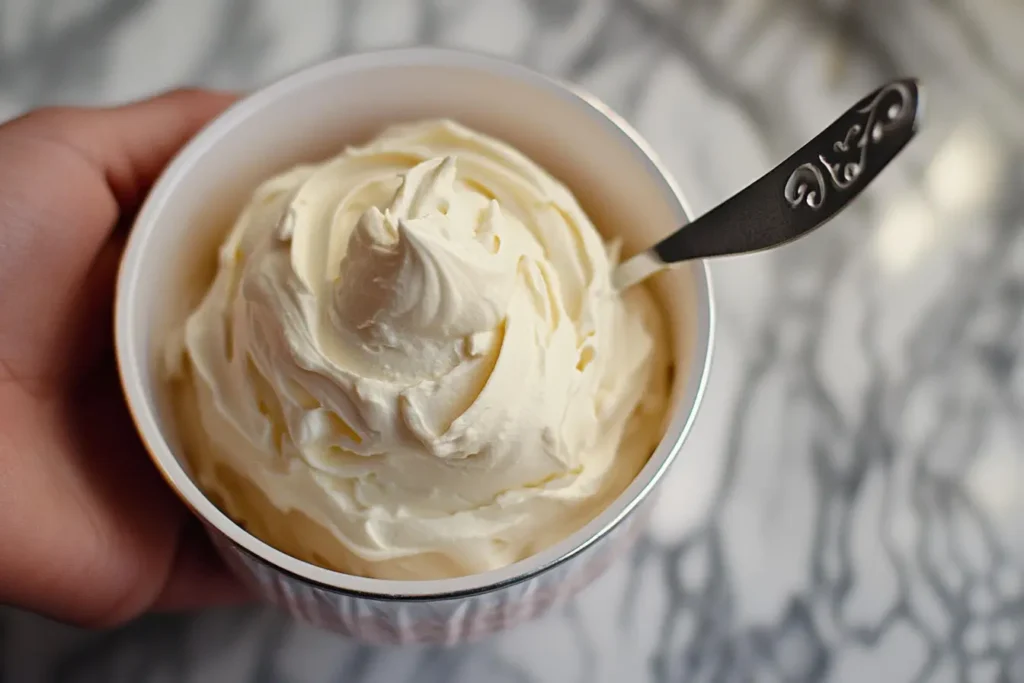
(309, 116)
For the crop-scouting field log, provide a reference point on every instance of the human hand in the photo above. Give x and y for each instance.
(89, 533)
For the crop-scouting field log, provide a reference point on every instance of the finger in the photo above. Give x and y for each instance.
(98, 529)
(67, 177)
(129, 145)
(198, 577)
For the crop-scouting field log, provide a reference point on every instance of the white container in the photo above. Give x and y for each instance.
(310, 116)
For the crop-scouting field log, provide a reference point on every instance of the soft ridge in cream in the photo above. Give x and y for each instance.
(411, 363)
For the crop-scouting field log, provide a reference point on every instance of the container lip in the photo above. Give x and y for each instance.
(159, 451)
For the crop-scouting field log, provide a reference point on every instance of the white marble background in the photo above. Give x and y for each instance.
(848, 507)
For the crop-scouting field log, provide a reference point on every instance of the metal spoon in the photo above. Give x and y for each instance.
(800, 194)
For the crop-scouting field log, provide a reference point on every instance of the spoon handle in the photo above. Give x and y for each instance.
(800, 194)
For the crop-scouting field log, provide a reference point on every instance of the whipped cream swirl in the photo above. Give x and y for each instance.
(411, 363)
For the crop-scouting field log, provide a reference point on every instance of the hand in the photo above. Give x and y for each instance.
(89, 532)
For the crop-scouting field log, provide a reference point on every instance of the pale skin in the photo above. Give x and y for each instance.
(89, 532)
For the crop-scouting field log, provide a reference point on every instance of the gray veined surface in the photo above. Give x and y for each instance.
(848, 507)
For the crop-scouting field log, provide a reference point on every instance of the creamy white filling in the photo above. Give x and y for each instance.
(416, 346)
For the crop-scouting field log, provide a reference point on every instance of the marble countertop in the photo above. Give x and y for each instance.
(848, 507)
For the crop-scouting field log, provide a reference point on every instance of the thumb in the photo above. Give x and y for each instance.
(67, 176)
(130, 144)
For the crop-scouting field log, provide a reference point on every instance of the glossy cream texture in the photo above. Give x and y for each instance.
(411, 363)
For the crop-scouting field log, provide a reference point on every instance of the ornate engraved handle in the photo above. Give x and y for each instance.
(804, 191)
(882, 122)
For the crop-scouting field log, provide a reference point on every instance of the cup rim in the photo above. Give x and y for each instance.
(128, 361)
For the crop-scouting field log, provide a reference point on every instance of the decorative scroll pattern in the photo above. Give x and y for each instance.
(806, 185)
